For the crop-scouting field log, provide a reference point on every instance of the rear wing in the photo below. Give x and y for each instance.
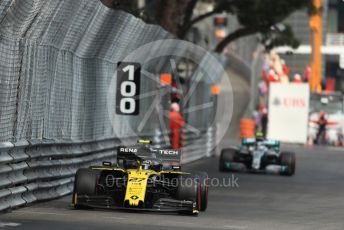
(272, 143)
(269, 143)
(248, 141)
(132, 153)
(168, 157)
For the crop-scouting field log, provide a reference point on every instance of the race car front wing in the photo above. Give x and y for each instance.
(161, 205)
(240, 167)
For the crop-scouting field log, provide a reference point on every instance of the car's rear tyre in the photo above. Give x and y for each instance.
(189, 189)
(204, 184)
(227, 155)
(288, 160)
(84, 184)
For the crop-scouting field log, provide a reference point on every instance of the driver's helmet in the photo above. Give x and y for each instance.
(259, 136)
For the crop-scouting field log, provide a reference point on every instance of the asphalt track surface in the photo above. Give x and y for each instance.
(312, 199)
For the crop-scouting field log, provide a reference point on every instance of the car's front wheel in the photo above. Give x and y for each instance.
(226, 158)
(84, 184)
(288, 162)
(189, 189)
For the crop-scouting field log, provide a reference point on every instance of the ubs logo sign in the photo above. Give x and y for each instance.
(289, 102)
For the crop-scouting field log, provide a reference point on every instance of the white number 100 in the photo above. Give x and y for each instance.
(128, 91)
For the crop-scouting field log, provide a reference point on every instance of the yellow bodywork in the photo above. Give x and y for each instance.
(136, 187)
(137, 183)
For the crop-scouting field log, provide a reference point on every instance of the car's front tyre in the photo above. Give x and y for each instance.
(226, 158)
(189, 189)
(288, 162)
(84, 184)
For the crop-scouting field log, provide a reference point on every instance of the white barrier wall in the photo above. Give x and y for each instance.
(288, 112)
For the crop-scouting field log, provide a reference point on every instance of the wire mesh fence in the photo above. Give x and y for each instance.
(57, 60)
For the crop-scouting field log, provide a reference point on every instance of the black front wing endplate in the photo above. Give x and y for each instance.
(162, 205)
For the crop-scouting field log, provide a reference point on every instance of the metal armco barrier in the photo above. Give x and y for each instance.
(197, 146)
(44, 169)
(40, 170)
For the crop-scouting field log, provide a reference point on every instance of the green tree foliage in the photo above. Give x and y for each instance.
(254, 16)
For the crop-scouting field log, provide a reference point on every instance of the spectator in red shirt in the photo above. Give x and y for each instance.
(176, 124)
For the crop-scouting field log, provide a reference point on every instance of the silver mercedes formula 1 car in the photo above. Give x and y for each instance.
(258, 155)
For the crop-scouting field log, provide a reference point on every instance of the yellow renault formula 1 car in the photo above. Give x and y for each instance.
(144, 178)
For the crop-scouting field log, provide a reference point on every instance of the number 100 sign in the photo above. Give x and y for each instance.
(128, 88)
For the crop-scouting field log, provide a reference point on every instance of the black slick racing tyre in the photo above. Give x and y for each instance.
(288, 162)
(189, 189)
(204, 184)
(84, 184)
(227, 155)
